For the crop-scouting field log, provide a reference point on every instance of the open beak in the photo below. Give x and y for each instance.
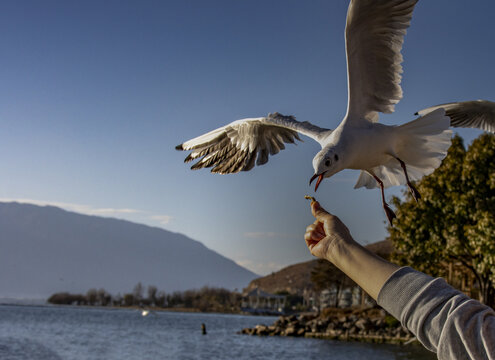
(320, 178)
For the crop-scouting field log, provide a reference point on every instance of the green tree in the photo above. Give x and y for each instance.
(454, 222)
(117, 300)
(138, 293)
(92, 296)
(175, 299)
(161, 299)
(104, 298)
(65, 298)
(152, 290)
(129, 299)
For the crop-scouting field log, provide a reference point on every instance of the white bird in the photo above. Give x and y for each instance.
(145, 312)
(386, 155)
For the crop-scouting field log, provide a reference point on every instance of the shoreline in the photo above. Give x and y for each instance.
(365, 325)
(132, 307)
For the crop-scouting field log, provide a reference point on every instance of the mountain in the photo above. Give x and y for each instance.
(294, 279)
(44, 249)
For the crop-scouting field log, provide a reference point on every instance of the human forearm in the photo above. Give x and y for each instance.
(366, 269)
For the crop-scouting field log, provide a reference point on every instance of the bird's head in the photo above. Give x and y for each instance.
(326, 163)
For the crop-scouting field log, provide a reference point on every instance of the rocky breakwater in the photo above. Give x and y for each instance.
(372, 325)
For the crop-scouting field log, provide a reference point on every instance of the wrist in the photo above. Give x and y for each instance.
(339, 249)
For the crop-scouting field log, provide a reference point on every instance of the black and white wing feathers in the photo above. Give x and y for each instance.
(469, 114)
(241, 144)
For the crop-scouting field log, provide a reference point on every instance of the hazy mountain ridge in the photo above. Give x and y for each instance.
(44, 249)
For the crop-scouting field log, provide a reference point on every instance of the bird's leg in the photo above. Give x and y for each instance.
(388, 211)
(415, 193)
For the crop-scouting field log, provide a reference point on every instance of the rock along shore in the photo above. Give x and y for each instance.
(371, 325)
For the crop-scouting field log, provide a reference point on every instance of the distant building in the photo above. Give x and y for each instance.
(348, 297)
(258, 301)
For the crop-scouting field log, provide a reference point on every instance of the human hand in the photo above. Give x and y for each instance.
(328, 238)
(322, 236)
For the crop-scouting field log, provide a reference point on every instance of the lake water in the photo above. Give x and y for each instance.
(52, 333)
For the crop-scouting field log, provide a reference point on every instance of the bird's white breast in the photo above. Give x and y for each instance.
(367, 147)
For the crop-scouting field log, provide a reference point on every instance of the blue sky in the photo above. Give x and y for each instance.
(94, 96)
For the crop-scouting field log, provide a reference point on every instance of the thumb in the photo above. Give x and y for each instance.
(317, 211)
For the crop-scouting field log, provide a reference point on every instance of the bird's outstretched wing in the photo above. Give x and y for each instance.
(374, 35)
(471, 114)
(242, 143)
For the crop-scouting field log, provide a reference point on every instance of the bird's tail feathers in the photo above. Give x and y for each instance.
(433, 123)
(422, 144)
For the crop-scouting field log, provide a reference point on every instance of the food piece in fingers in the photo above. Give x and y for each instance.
(309, 198)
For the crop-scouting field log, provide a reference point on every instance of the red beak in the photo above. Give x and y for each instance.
(320, 178)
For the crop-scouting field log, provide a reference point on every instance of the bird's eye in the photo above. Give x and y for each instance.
(336, 157)
(327, 163)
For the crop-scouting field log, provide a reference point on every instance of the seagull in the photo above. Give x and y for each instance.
(469, 114)
(386, 155)
(145, 312)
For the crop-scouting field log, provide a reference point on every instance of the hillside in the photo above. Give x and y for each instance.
(295, 278)
(47, 249)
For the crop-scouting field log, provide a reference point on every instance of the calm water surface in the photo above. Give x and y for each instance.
(46, 333)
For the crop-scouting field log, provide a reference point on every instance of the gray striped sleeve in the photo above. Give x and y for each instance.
(443, 319)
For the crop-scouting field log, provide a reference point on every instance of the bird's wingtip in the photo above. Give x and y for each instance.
(179, 147)
(416, 113)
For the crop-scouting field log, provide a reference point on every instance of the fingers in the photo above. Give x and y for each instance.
(326, 230)
(309, 231)
(314, 234)
(316, 230)
(329, 223)
(319, 229)
(319, 213)
(310, 242)
(317, 210)
(308, 236)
